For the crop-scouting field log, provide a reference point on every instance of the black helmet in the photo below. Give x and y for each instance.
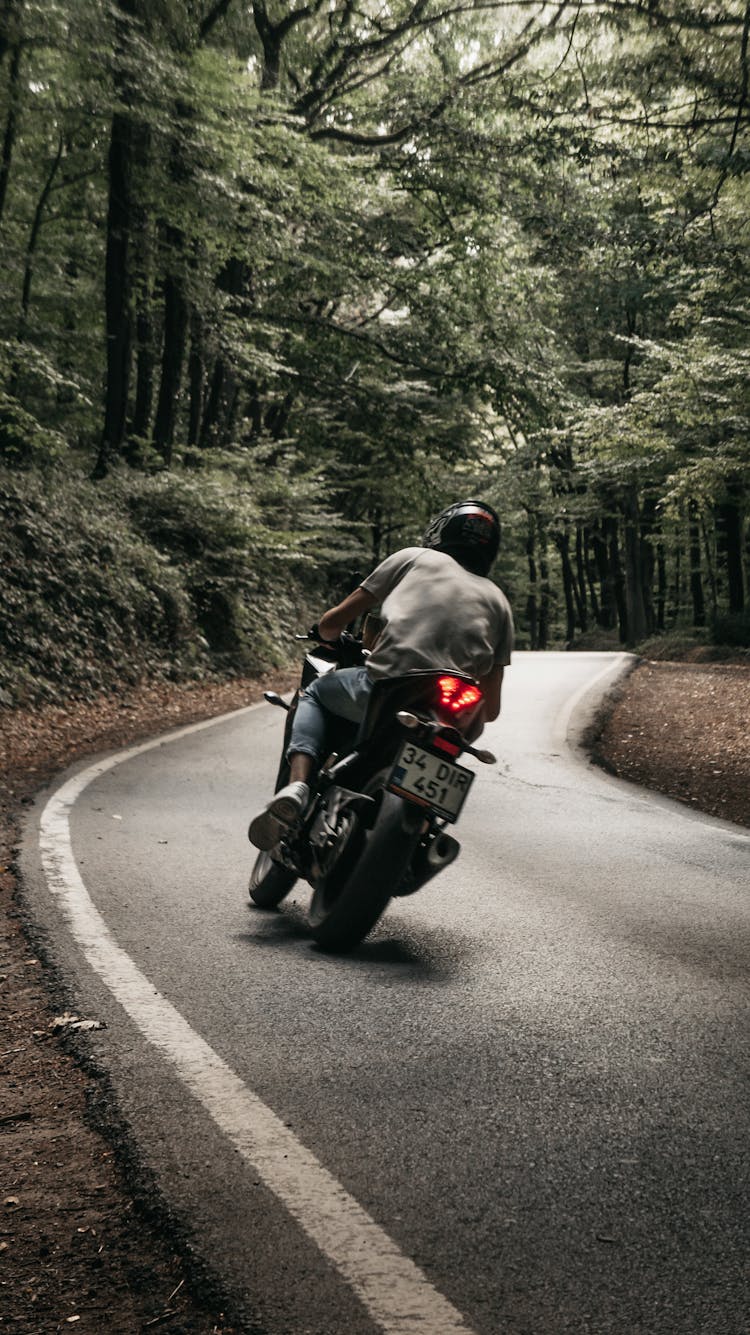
(469, 531)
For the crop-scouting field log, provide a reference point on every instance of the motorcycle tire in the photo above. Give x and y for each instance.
(269, 882)
(339, 921)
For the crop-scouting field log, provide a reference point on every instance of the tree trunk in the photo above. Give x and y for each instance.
(648, 561)
(532, 605)
(590, 567)
(730, 525)
(11, 123)
(710, 570)
(277, 416)
(142, 267)
(635, 609)
(144, 377)
(173, 355)
(210, 423)
(573, 611)
(117, 276)
(611, 530)
(255, 410)
(678, 586)
(696, 576)
(605, 575)
(581, 599)
(195, 378)
(28, 268)
(661, 585)
(176, 311)
(544, 587)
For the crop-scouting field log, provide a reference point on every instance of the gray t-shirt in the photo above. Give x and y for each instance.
(437, 615)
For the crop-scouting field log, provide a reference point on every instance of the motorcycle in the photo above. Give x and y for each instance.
(376, 825)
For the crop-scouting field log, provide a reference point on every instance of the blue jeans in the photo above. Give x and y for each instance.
(344, 693)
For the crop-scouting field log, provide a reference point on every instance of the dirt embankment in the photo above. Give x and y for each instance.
(684, 730)
(79, 1246)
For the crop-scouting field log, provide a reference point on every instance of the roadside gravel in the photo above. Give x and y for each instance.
(82, 1243)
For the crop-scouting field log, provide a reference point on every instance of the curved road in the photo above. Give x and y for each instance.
(521, 1108)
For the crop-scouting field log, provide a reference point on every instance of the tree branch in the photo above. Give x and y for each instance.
(212, 18)
(741, 104)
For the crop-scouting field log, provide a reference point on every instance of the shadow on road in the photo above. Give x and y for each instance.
(428, 955)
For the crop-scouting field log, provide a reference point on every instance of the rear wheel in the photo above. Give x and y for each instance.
(269, 882)
(341, 915)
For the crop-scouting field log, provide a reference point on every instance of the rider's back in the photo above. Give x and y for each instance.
(437, 615)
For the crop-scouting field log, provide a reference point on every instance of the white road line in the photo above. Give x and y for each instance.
(614, 669)
(397, 1295)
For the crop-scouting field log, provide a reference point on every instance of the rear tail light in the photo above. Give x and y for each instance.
(456, 696)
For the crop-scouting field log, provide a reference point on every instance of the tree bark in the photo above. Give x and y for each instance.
(210, 423)
(544, 600)
(729, 530)
(648, 561)
(176, 312)
(591, 573)
(117, 276)
(581, 600)
(661, 587)
(635, 609)
(195, 378)
(611, 530)
(144, 376)
(575, 612)
(173, 353)
(11, 123)
(142, 266)
(28, 268)
(605, 575)
(696, 574)
(532, 604)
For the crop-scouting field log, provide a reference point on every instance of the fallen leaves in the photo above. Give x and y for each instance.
(69, 1021)
(682, 729)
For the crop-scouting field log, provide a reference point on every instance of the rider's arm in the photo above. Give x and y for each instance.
(491, 686)
(338, 618)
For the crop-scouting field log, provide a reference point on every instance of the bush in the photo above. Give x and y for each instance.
(732, 629)
(24, 442)
(84, 603)
(142, 577)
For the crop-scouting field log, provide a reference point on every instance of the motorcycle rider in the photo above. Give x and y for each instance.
(440, 612)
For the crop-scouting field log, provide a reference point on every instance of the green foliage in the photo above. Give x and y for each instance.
(24, 441)
(358, 261)
(139, 578)
(732, 629)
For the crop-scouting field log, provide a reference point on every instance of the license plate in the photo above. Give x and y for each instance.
(430, 781)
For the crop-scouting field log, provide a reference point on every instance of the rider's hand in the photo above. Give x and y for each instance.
(314, 633)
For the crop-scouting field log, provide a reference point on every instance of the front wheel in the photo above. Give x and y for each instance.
(269, 882)
(341, 918)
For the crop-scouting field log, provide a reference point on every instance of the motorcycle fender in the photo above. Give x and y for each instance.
(412, 818)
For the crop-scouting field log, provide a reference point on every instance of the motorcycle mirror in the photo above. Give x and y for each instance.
(274, 699)
(407, 720)
(486, 757)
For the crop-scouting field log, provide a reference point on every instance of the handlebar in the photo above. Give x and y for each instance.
(314, 636)
(347, 650)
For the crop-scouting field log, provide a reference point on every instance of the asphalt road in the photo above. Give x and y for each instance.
(521, 1108)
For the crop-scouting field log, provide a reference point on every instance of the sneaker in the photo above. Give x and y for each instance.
(284, 809)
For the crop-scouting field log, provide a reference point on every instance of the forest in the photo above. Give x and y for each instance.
(279, 281)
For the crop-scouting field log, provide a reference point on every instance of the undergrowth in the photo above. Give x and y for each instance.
(173, 576)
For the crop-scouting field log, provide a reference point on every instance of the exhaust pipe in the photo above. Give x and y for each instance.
(429, 860)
